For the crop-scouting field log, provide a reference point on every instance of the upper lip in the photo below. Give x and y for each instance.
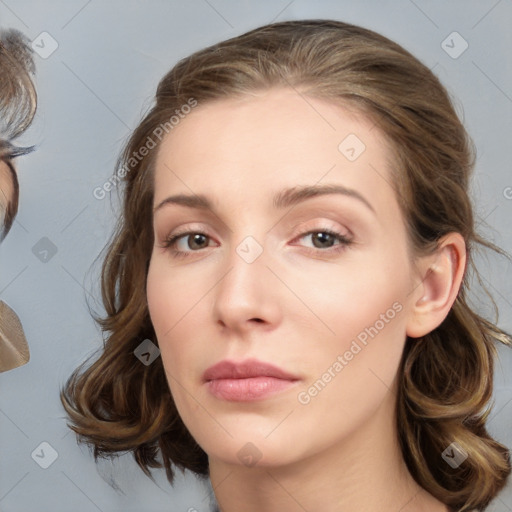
(245, 370)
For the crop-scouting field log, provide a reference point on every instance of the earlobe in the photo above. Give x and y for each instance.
(442, 276)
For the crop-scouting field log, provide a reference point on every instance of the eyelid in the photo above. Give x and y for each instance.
(187, 228)
(319, 224)
(303, 228)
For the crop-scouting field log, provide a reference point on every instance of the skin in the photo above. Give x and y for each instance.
(6, 189)
(299, 305)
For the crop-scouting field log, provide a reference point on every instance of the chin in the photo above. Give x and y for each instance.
(252, 454)
(249, 444)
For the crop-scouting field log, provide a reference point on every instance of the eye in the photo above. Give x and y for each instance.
(326, 240)
(322, 239)
(181, 244)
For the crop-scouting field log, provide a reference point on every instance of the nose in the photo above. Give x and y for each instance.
(246, 298)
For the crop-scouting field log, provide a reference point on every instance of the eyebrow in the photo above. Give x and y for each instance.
(283, 199)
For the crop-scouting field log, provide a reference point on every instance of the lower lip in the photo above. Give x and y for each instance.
(247, 390)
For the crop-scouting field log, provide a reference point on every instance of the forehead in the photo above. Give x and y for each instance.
(270, 140)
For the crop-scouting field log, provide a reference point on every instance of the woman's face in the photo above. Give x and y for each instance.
(317, 285)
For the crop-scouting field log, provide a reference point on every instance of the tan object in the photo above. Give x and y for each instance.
(14, 350)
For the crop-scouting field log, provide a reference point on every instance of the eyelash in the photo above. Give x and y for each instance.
(170, 242)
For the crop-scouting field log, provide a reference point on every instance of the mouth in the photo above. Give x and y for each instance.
(246, 381)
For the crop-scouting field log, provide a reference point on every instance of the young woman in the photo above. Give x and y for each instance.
(297, 239)
(18, 101)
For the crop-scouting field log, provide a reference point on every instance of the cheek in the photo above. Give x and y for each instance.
(351, 372)
(177, 319)
(171, 294)
(365, 312)
(6, 183)
(3, 209)
(345, 299)
(174, 304)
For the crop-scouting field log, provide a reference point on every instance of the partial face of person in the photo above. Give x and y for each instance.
(6, 191)
(14, 351)
(281, 253)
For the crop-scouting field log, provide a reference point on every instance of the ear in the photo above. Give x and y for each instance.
(441, 276)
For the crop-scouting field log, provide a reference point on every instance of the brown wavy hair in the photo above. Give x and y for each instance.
(18, 103)
(116, 404)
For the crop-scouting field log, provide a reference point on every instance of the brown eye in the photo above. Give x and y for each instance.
(182, 244)
(196, 240)
(323, 239)
(325, 242)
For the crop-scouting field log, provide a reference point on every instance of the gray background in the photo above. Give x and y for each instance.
(92, 92)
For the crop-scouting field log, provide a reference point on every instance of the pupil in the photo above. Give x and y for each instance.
(324, 238)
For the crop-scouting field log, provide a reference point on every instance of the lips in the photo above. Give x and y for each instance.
(245, 370)
(246, 381)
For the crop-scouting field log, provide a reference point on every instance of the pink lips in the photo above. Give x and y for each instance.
(246, 381)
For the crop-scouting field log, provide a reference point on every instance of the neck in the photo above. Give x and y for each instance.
(365, 471)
